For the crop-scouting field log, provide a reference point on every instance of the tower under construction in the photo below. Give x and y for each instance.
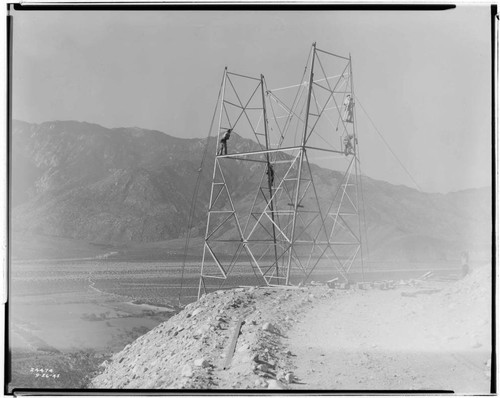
(304, 214)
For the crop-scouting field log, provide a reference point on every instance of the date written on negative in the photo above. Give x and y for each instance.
(43, 372)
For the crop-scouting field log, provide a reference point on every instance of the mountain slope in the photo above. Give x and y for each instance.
(84, 181)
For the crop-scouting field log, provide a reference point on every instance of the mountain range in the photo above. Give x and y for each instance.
(86, 182)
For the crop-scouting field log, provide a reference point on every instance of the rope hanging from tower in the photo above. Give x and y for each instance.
(195, 195)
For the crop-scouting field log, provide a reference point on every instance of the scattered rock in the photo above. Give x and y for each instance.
(260, 382)
(263, 367)
(268, 327)
(201, 363)
(263, 382)
(243, 348)
(275, 385)
(201, 331)
(289, 377)
(187, 371)
(196, 311)
(166, 358)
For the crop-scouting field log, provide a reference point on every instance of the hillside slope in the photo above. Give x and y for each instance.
(83, 181)
(413, 336)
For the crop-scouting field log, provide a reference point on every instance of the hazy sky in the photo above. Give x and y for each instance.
(424, 77)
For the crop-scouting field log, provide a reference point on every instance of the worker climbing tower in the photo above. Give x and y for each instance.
(300, 144)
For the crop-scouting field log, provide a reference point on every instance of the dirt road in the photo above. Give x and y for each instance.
(385, 340)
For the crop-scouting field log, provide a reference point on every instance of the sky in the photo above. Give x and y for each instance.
(424, 77)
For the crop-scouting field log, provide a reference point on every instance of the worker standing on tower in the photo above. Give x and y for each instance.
(223, 142)
(349, 140)
(349, 109)
(270, 173)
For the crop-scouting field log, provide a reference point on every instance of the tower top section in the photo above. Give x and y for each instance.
(318, 112)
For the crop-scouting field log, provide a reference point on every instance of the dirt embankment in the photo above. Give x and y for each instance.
(419, 336)
(192, 348)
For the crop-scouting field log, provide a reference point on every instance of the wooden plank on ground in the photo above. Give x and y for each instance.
(232, 346)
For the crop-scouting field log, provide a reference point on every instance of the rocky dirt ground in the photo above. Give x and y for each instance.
(420, 335)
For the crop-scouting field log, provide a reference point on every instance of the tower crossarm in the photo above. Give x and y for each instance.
(263, 151)
(324, 149)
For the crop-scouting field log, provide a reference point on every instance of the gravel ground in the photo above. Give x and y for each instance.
(410, 336)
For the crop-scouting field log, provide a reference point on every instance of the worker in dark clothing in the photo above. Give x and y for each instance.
(349, 109)
(270, 173)
(348, 144)
(223, 142)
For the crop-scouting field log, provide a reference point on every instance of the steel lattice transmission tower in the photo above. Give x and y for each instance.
(292, 225)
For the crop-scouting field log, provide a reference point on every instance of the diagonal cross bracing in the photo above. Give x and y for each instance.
(291, 227)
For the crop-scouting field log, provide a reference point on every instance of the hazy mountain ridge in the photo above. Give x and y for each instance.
(81, 180)
(85, 181)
